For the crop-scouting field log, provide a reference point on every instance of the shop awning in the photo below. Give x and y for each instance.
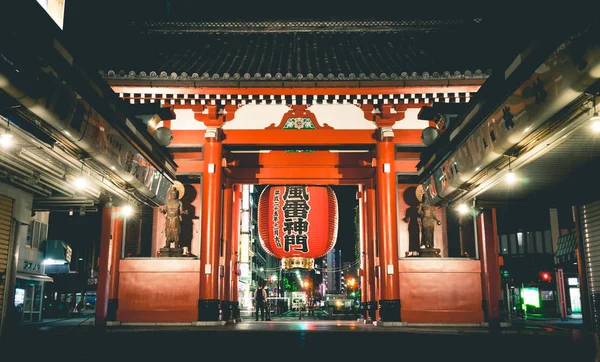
(35, 277)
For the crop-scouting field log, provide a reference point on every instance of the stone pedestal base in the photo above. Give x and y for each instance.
(429, 253)
(170, 252)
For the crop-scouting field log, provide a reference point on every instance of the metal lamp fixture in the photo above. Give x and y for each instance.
(81, 182)
(6, 137)
(595, 119)
(510, 175)
(127, 209)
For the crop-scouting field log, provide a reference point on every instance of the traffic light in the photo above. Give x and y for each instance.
(545, 276)
(505, 273)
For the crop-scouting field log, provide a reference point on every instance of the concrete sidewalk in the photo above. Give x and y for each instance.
(310, 323)
(293, 339)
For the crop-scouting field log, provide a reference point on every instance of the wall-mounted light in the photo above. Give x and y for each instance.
(6, 138)
(595, 119)
(81, 182)
(511, 178)
(462, 208)
(126, 210)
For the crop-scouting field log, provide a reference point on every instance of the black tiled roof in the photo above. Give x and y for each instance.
(323, 50)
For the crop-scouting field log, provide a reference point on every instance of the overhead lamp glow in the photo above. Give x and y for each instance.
(595, 119)
(510, 177)
(81, 183)
(462, 209)
(6, 139)
(127, 210)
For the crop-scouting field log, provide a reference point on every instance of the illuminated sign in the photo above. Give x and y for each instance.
(531, 296)
(19, 296)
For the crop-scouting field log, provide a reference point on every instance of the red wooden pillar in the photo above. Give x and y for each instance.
(487, 236)
(227, 253)
(103, 264)
(208, 304)
(371, 226)
(387, 230)
(235, 240)
(362, 220)
(113, 265)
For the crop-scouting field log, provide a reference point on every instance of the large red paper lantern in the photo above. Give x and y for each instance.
(297, 223)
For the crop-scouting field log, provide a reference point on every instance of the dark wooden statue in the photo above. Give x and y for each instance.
(173, 211)
(428, 221)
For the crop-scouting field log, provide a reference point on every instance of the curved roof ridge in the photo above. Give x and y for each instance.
(298, 25)
(468, 74)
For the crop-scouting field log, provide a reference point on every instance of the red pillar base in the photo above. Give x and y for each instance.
(111, 309)
(363, 310)
(389, 310)
(208, 310)
(226, 306)
(235, 311)
(372, 311)
(493, 322)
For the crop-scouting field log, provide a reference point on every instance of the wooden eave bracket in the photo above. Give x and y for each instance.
(384, 115)
(213, 115)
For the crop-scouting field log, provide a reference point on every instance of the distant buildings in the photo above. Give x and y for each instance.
(332, 265)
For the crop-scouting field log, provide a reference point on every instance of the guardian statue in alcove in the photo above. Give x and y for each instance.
(173, 211)
(427, 223)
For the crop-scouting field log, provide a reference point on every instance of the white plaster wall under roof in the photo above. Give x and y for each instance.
(261, 116)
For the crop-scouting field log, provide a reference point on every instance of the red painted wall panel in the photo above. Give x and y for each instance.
(438, 290)
(157, 290)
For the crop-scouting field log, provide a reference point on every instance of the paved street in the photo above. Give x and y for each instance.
(289, 338)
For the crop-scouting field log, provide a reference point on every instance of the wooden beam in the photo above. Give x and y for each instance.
(189, 166)
(320, 158)
(405, 166)
(300, 173)
(321, 181)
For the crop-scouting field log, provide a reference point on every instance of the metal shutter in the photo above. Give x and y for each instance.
(6, 209)
(590, 217)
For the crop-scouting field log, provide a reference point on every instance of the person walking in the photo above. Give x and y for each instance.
(260, 298)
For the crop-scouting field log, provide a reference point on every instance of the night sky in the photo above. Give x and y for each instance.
(346, 196)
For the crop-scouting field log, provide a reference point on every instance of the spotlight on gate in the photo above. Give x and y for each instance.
(462, 208)
(127, 210)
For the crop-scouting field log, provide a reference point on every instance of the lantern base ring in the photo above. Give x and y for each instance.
(298, 263)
